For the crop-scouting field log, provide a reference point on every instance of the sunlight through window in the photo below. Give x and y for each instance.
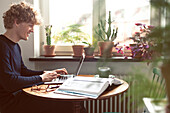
(125, 13)
(67, 12)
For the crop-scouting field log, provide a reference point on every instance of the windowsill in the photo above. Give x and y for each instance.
(73, 59)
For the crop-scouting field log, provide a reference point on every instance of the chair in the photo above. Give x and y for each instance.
(157, 90)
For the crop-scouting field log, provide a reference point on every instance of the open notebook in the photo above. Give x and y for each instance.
(63, 78)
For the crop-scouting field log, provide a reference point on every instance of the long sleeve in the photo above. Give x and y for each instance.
(10, 69)
(27, 72)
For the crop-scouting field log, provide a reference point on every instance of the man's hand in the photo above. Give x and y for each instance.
(48, 76)
(62, 71)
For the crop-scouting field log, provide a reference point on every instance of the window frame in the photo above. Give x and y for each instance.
(99, 13)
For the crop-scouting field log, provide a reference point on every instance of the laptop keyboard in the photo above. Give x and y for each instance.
(59, 80)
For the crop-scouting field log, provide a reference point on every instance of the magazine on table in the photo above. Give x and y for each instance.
(85, 86)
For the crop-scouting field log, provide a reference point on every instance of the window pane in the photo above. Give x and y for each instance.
(67, 12)
(125, 14)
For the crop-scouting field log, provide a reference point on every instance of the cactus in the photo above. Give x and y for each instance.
(110, 33)
(48, 34)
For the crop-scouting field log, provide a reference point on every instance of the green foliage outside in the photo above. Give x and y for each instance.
(72, 34)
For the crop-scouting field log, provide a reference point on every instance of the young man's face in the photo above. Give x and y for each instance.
(24, 30)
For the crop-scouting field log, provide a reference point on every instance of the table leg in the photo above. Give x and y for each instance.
(77, 106)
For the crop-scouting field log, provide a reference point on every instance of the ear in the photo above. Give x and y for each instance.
(16, 23)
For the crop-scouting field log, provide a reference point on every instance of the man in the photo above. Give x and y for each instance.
(19, 21)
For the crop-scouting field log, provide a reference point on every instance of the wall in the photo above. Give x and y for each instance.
(3, 7)
(91, 67)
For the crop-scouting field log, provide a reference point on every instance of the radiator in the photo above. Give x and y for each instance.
(122, 103)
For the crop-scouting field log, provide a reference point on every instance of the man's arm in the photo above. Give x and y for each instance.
(10, 78)
(28, 72)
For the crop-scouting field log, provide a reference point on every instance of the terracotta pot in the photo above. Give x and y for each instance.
(49, 50)
(89, 51)
(105, 48)
(77, 50)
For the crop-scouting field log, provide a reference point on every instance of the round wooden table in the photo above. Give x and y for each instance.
(42, 92)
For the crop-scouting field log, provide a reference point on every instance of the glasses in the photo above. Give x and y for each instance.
(44, 89)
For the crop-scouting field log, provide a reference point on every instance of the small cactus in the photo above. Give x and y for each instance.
(48, 34)
(110, 33)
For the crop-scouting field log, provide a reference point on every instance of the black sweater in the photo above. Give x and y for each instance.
(13, 73)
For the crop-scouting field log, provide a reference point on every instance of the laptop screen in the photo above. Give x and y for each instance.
(79, 65)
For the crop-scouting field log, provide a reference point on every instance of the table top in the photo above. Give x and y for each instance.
(41, 91)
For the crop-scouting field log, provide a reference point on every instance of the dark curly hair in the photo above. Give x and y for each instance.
(22, 12)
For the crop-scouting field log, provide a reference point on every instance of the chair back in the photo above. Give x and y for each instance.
(157, 89)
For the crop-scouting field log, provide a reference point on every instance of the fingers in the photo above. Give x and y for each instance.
(48, 76)
(52, 76)
(58, 75)
(61, 71)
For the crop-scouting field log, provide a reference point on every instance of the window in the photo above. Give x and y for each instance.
(125, 14)
(67, 12)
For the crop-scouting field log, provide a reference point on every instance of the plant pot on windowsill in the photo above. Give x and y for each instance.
(49, 50)
(89, 52)
(105, 48)
(107, 35)
(131, 47)
(77, 50)
(135, 54)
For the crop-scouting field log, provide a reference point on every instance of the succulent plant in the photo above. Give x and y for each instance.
(48, 34)
(110, 33)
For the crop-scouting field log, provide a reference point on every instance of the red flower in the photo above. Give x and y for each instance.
(127, 47)
(138, 24)
(141, 29)
(144, 26)
(137, 33)
(119, 50)
(151, 27)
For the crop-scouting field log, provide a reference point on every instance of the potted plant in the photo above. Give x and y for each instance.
(141, 48)
(107, 37)
(76, 36)
(48, 48)
(89, 50)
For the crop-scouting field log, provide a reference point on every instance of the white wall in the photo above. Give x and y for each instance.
(4, 5)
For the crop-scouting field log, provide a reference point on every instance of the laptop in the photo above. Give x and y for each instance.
(62, 78)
